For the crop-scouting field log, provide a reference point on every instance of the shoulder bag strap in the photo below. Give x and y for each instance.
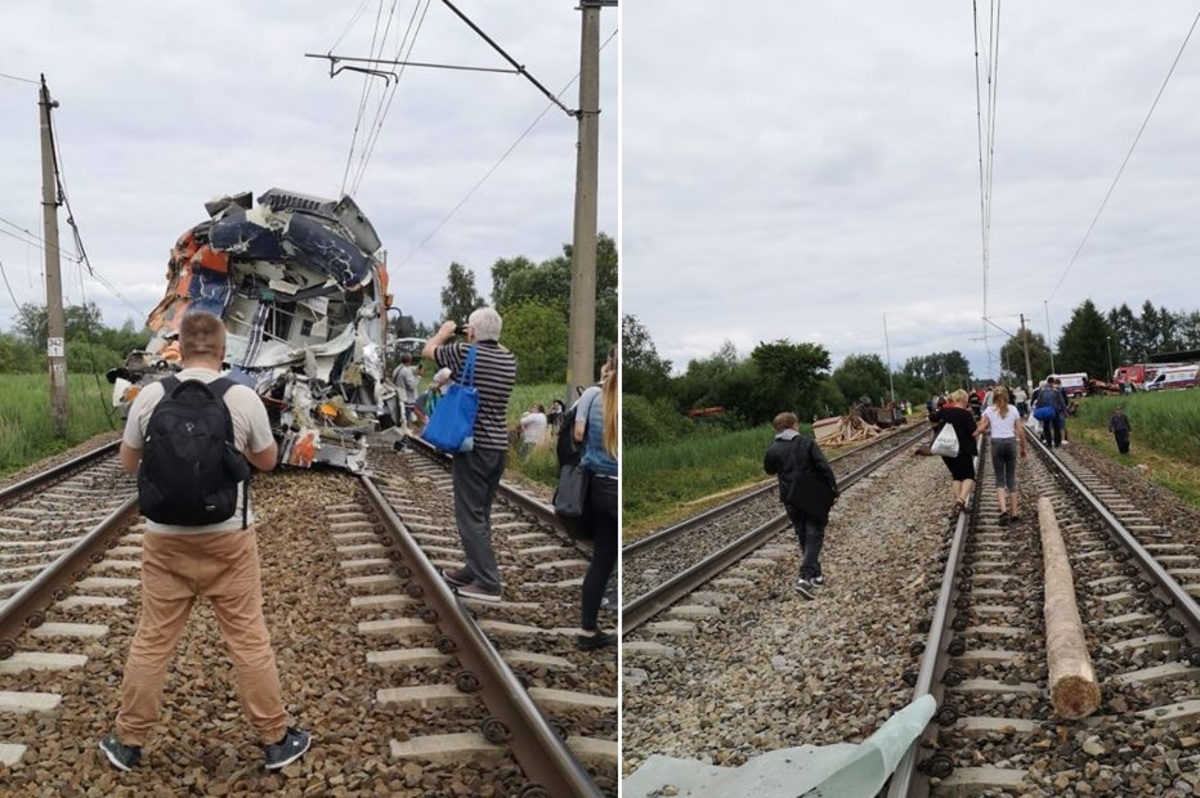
(468, 372)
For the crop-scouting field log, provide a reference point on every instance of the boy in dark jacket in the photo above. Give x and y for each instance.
(807, 488)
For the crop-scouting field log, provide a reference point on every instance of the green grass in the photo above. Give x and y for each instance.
(659, 478)
(664, 484)
(542, 465)
(26, 429)
(1164, 437)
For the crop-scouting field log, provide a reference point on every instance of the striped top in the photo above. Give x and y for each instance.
(495, 373)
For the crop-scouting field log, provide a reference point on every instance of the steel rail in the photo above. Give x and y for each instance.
(26, 608)
(37, 480)
(541, 511)
(907, 781)
(646, 606)
(721, 509)
(542, 754)
(1184, 608)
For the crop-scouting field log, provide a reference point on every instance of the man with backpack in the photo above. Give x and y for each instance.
(189, 438)
(1048, 406)
(808, 489)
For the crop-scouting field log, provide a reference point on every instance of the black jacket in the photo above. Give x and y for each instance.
(789, 455)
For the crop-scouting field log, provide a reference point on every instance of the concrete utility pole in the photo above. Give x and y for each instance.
(1028, 368)
(55, 322)
(581, 336)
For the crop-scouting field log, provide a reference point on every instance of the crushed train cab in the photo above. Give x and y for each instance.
(301, 286)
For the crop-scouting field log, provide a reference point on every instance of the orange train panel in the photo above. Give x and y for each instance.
(210, 259)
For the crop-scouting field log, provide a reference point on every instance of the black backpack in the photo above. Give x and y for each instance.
(190, 467)
(567, 450)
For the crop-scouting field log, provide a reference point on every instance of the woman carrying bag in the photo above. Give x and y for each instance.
(601, 511)
(956, 414)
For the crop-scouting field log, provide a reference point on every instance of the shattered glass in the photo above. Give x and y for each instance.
(302, 287)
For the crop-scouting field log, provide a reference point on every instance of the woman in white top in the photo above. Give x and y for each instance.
(1008, 435)
(533, 428)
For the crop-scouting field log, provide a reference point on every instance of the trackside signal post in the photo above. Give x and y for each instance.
(55, 323)
(581, 337)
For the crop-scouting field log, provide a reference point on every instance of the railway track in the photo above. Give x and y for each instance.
(761, 670)
(662, 568)
(985, 657)
(402, 683)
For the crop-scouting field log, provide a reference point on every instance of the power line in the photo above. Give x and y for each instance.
(985, 132)
(373, 138)
(387, 29)
(362, 103)
(34, 241)
(1128, 155)
(519, 67)
(496, 165)
(13, 296)
(362, 7)
(19, 79)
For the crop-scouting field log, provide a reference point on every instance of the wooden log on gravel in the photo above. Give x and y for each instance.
(1074, 691)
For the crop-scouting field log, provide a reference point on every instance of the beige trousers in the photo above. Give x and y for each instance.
(224, 568)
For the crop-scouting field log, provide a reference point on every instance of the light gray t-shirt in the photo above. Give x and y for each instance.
(251, 431)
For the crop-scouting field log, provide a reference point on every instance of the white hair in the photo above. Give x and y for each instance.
(486, 324)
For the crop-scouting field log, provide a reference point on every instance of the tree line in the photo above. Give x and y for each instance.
(535, 301)
(783, 374)
(91, 348)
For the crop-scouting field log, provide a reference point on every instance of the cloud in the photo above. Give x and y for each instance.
(804, 170)
(165, 106)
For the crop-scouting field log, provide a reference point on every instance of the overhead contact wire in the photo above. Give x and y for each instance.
(1128, 155)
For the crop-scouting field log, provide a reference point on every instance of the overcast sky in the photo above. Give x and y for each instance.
(802, 170)
(166, 105)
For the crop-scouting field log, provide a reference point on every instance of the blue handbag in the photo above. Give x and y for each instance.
(452, 424)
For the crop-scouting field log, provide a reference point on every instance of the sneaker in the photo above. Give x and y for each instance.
(596, 641)
(818, 581)
(1004, 519)
(456, 577)
(805, 588)
(1014, 519)
(288, 750)
(474, 591)
(123, 757)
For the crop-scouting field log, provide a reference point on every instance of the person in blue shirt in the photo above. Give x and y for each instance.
(596, 429)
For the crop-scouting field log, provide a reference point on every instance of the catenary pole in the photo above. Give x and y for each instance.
(1028, 368)
(1049, 340)
(581, 336)
(55, 322)
(888, 347)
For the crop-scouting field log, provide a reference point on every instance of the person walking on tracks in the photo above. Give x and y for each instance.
(1048, 405)
(1008, 438)
(595, 428)
(476, 473)
(199, 541)
(962, 467)
(808, 489)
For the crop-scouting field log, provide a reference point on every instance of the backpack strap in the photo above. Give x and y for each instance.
(220, 386)
(169, 384)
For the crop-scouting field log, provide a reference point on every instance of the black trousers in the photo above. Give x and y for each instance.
(603, 514)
